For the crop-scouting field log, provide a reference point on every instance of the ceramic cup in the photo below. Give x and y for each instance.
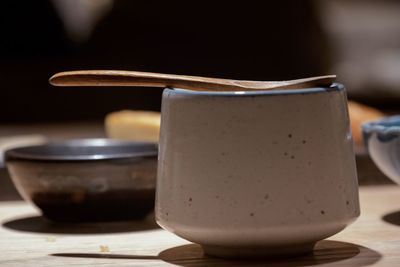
(256, 174)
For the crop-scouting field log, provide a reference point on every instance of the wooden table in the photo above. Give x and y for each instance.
(26, 239)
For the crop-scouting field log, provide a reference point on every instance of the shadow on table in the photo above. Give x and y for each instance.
(39, 224)
(393, 218)
(191, 255)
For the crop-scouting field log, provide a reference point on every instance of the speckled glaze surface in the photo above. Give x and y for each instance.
(257, 173)
(382, 138)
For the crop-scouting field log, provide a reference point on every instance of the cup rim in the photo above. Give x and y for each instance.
(312, 90)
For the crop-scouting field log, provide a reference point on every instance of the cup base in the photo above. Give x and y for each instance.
(258, 252)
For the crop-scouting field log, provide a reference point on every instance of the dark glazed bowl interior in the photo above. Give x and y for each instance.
(83, 150)
(88, 180)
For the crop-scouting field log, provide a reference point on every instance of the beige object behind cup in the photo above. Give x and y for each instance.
(133, 125)
(255, 174)
(359, 114)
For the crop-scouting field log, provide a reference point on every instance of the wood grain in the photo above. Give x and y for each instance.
(29, 240)
(148, 79)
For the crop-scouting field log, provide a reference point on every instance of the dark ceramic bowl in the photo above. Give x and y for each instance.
(87, 180)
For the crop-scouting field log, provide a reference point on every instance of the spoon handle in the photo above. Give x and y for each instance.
(140, 79)
(148, 79)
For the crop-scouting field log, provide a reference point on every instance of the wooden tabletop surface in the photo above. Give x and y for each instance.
(26, 239)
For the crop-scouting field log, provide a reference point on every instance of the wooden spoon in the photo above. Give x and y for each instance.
(148, 79)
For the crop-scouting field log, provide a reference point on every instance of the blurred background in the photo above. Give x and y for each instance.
(269, 40)
(265, 40)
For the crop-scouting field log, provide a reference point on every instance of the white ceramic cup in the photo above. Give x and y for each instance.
(256, 173)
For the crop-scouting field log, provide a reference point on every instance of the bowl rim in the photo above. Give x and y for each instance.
(23, 153)
(385, 125)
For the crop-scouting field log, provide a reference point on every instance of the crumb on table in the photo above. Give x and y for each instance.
(104, 248)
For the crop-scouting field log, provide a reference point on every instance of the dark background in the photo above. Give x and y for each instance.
(264, 40)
